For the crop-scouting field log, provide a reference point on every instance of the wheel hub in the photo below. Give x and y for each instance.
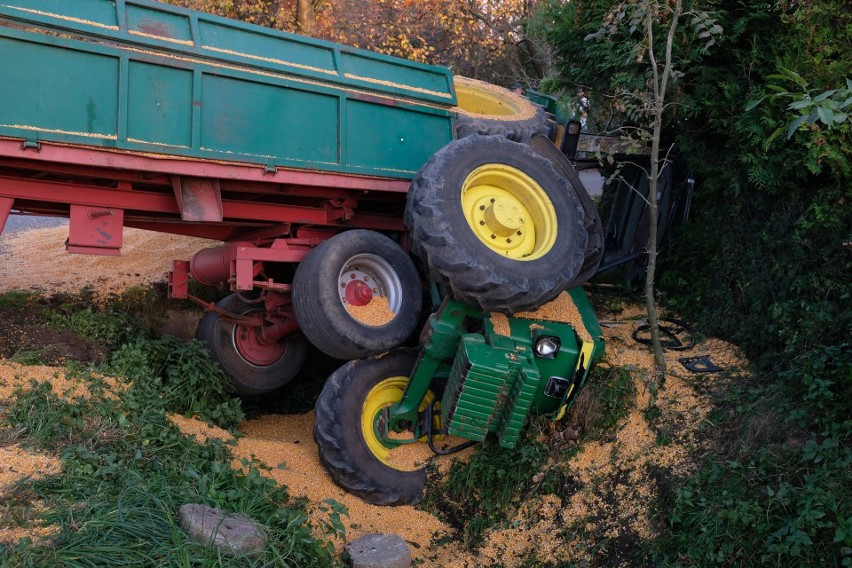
(377, 425)
(504, 216)
(509, 212)
(366, 276)
(358, 293)
(253, 349)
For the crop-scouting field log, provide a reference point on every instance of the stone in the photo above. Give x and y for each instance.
(379, 551)
(231, 534)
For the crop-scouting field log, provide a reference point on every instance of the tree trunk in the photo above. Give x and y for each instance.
(650, 300)
(660, 87)
(305, 17)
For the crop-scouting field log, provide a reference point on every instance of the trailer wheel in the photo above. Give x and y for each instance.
(484, 108)
(357, 294)
(345, 429)
(496, 224)
(252, 367)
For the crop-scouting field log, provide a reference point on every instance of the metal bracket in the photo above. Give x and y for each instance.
(31, 144)
(198, 199)
(6, 204)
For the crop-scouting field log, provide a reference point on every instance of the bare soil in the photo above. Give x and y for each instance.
(22, 332)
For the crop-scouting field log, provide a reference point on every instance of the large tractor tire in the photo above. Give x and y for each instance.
(357, 294)
(345, 429)
(591, 218)
(252, 366)
(484, 108)
(495, 224)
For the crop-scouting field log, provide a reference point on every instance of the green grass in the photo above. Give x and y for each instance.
(484, 491)
(127, 468)
(126, 471)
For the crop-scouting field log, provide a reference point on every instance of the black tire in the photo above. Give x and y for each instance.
(323, 314)
(340, 438)
(484, 108)
(248, 378)
(458, 257)
(591, 218)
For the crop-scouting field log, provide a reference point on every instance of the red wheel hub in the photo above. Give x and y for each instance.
(358, 293)
(253, 349)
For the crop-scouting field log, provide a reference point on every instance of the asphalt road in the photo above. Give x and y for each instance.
(26, 222)
(17, 223)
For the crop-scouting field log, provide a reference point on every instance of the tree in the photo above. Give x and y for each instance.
(645, 18)
(492, 40)
(764, 262)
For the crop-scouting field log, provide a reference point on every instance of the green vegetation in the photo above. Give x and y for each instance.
(127, 468)
(765, 262)
(486, 491)
(607, 398)
(478, 494)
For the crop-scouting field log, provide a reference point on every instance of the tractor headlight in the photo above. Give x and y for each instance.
(546, 346)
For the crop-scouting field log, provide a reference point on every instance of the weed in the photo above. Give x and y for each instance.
(126, 471)
(110, 327)
(18, 299)
(177, 377)
(606, 399)
(478, 494)
(30, 357)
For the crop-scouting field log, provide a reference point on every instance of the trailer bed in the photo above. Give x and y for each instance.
(152, 78)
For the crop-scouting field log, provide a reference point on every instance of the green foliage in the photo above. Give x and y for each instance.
(606, 399)
(482, 492)
(602, 58)
(830, 108)
(17, 299)
(125, 473)
(165, 372)
(108, 326)
(765, 262)
(177, 377)
(776, 506)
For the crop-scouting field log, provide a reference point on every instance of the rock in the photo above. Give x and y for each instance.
(379, 551)
(231, 534)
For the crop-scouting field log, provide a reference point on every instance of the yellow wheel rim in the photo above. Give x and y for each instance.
(484, 100)
(386, 393)
(509, 212)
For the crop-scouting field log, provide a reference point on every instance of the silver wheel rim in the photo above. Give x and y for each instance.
(375, 272)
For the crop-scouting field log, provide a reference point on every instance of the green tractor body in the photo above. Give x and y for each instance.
(475, 375)
(495, 379)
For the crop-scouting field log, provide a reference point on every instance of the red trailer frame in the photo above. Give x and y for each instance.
(267, 215)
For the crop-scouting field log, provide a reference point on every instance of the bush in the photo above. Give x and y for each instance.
(764, 262)
(178, 377)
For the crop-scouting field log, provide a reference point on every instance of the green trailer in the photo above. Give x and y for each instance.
(146, 77)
